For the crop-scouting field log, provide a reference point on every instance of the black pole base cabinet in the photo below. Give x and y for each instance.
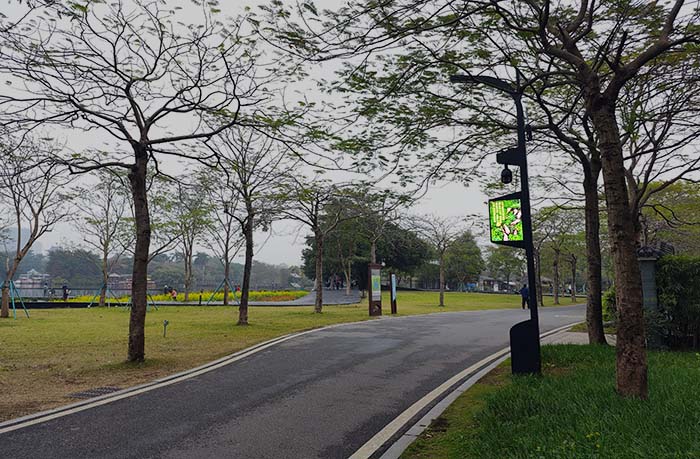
(525, 348)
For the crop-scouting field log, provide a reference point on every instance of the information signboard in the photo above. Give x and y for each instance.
(376, 284)
(375, 289)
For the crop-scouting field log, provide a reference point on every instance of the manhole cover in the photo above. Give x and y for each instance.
(96, 392)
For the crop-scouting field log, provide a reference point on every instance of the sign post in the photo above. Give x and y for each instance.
(375, 290)
(392, 281)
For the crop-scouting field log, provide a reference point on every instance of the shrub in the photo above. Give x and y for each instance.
(609, 305)
(678, 283)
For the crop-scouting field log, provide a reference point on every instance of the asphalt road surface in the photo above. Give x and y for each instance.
(323, 394)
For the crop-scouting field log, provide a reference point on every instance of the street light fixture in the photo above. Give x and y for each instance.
(524, 336)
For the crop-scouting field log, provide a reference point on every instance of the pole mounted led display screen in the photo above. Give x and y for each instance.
(506, 220)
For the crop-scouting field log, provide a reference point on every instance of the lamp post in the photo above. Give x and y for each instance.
(524, 336)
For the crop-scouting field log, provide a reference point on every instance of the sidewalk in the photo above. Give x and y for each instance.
(567, 337)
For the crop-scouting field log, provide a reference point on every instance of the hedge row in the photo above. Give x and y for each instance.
(678, 283)
(677, 324)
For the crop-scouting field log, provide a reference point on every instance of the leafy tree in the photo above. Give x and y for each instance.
(77, 267)
(505, 262)
(402, 250)
(463, 262)
(561, 225)
(673, 217)
(223, 235)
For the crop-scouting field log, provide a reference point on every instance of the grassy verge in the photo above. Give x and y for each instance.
(61, 351)
(255, 295)
(572, 412)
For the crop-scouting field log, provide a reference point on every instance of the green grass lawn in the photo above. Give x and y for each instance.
(60, 351)
(572, 412)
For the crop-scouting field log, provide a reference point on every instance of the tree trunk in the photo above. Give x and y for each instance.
(631, 372)
(555, 268)
(105, 279)
(373, 252)
(594, 306)
(442, 280)
(188, 275)
(318, 306)
(5, 311)
(247, 270)
(573, 279)
(538, 277)
(348, 278)
(227, 269)
(139, 279)
(9, 274)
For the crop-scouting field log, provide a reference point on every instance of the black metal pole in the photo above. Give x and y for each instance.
(527, 217)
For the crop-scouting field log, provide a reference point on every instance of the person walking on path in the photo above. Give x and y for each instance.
(525, 293)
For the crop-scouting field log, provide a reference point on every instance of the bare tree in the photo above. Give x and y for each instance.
(142, 75)
(190, 214)
(223, 235)
(660, 119)
(315, 203)
(440, 233)
(38, 199)
(256, 168)
(104, 221)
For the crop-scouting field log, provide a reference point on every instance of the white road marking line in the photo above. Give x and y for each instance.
(391, 429)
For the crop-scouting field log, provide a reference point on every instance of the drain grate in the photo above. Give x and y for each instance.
(96, 392)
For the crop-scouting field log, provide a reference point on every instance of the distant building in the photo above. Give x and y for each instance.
(32, 279)
(33, 284)
(122, 283)
(487, 283)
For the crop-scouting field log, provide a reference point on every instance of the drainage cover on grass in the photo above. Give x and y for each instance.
(96, 392)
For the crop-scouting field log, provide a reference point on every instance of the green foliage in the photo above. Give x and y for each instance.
(463, 261)
(679, 299)
(32, 260)
(77, 267)
(672, 216)
(609, 305)
(505, 263)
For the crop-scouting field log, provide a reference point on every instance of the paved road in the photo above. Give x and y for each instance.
(323, 394)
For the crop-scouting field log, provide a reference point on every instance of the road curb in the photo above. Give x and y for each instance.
(396, 436)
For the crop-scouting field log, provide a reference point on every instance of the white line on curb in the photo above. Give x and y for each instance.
(391, 429)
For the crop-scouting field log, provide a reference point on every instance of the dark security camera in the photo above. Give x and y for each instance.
(506, 176)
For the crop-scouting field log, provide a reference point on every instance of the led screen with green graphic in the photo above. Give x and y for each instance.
(505, 218)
